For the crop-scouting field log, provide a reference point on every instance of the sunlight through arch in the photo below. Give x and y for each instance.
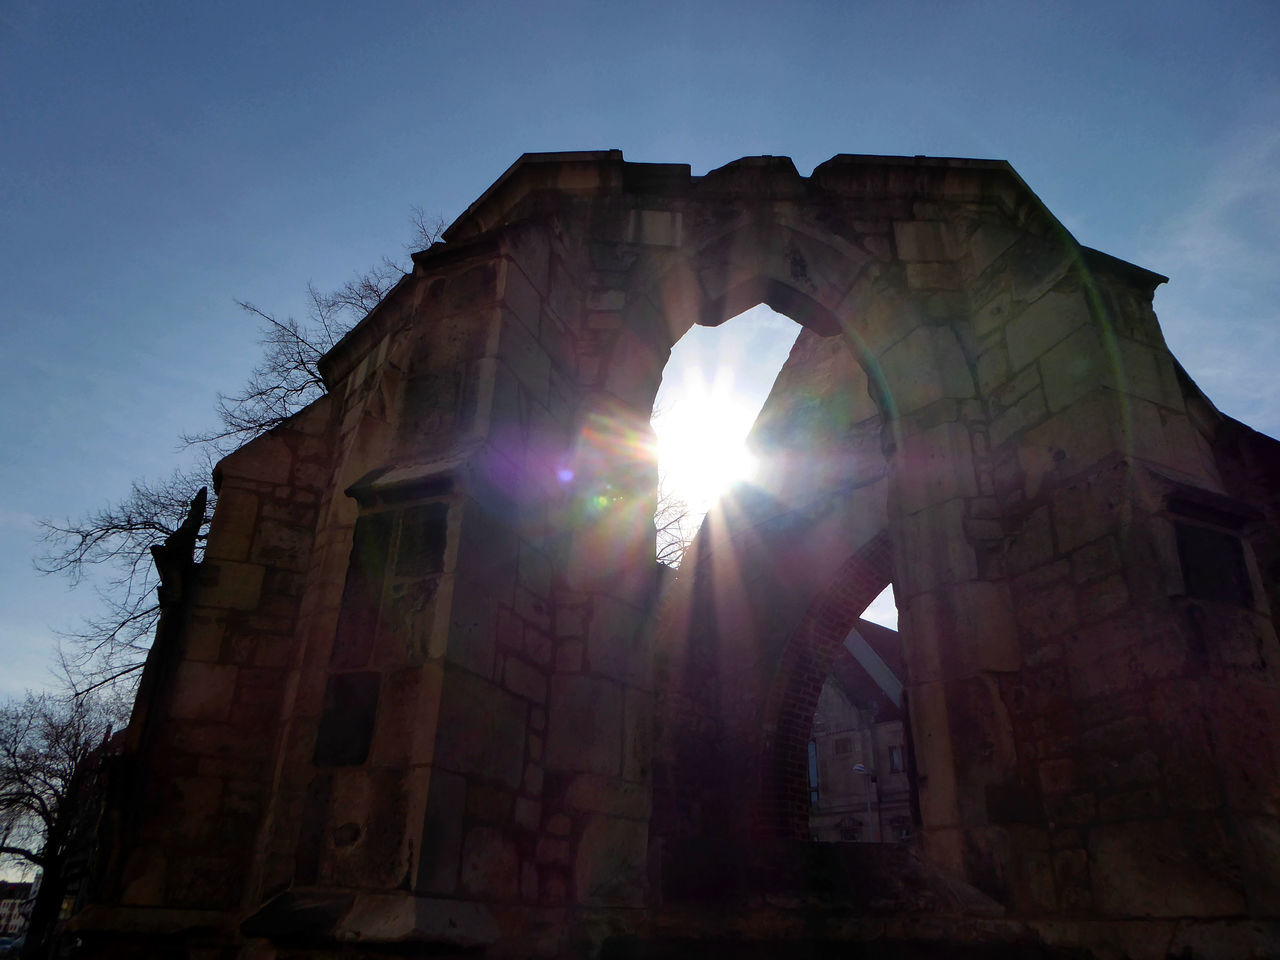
(711, 393)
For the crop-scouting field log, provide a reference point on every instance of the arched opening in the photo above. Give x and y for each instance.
(860, 768)
(741, 686)
(712, 391)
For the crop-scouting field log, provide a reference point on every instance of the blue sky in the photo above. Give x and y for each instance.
(161, 160)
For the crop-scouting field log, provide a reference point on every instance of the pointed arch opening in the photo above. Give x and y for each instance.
(861, 765)
(712, 391)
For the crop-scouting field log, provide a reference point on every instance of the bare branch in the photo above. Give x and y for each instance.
(111, 647)
(45, 744)
(674, 526)
(427, 229)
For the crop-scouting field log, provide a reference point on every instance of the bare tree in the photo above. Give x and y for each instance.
(288, 376)
(675, 526)
(112, 645)
(45, 742)
(50, 753)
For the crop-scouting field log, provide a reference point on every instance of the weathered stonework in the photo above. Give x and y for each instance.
(430, 695)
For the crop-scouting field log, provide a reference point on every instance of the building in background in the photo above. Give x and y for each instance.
(15, 908)
(859, 786)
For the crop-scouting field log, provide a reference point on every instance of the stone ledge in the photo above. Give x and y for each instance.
(342, 916)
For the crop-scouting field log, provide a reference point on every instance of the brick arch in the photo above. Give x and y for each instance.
(782, 796)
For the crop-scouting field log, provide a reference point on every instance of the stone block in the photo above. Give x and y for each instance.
(368, 844)
(1260, 843)
(1036, 265)
(1042, 324)
(203, 691)
(988, 610)
(936, 465)
(659, 228)
(592, 793)
(564, 297)
(520, 298)
(232, 529)
(992, 369)
(925, 366)
(1164, 436)
(205, 633)
(935, 761)
(1101, 662)
(265, 459)
(524, 680)
(570, 656)
(1224, 940)
(1095, 560)
(442, 825)
(1071, 869)
(1026, 412)
(922, 240)
(534, 779)
(1191, 855)
(585, 730)
(933, 276)
(618, 644)
(1069, 442)
(528, 813)
(960, 628)
(1047, 611)
(282, 545)
(993, 306)
(1103, 598)
(520, 352)
(637, 734)
(982, 742)
(609, 868)
(1147, 372)
(528, 248)
(471, 638)
(920, 618)
(460, 926)
(1076, 366)
(406, 730)
(935, 538)
(482, 729)
(1088, 508)
(347, 723)
(1030, 542)
(490, 865)
(465, 288)
(553, 850)
(987, 243)
(228, 585)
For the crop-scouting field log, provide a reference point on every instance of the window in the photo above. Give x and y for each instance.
(1213, 566)
(895, 759)
(1211, 549)
(844, 746)
(397, 557)
(813, 773)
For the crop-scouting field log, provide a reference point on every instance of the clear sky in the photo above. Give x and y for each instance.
(160, 160)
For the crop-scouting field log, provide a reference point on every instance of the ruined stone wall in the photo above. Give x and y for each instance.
(426, 694)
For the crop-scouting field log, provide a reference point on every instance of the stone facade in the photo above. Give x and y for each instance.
(426, 696)
(859, 784)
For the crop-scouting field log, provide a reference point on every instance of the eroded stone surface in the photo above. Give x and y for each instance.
(430, 655)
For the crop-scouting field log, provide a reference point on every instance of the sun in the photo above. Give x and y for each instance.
(713, 388)
(702, 449)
